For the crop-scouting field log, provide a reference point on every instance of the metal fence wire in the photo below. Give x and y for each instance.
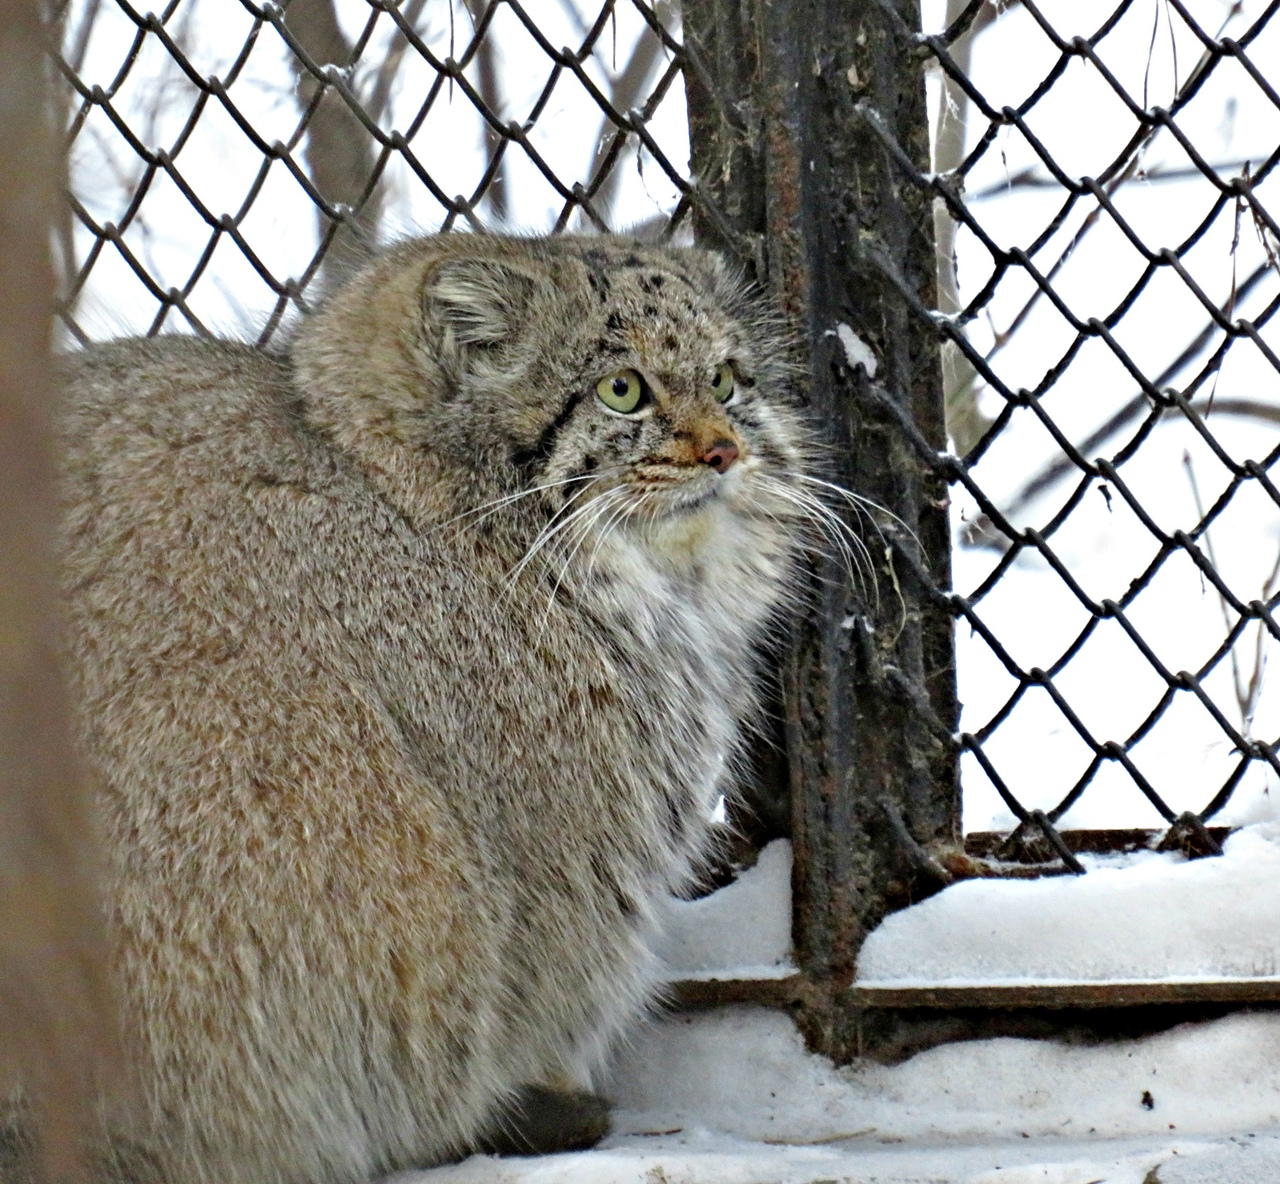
(1107, 284)
(1177, 438)
(368, 96)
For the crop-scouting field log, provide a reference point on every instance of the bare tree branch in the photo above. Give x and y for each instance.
(63, 98)
(628, 87)
(78, 44)
(965, 422)
(489, 84)
(379, 96)
(338, 150)
(1133, 166)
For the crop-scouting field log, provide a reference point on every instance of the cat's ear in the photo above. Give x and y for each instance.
(478, 302)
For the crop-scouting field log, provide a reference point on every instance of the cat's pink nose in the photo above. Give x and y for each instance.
(720, 455)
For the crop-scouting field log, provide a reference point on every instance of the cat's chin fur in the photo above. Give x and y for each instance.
(394, 782)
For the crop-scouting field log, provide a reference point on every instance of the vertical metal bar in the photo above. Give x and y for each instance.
(782, 95)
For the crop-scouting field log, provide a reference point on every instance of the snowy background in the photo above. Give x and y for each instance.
(221, 163)
(1233, 125)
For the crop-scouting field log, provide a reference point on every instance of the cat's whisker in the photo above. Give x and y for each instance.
(817, 506)
(628, 510)
(579, 538)
(569, 531)
(860, 507)
(865, 505)
(862, 543)
(587, 526)
(829, 516)
(489, 508)
(604, 507)
(857, 559)
(549, 531)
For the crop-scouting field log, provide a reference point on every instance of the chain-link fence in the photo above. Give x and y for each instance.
(1111, 386)
(1107, 274)
(221, 152)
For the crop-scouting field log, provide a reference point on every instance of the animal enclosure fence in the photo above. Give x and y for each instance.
(1032, 251)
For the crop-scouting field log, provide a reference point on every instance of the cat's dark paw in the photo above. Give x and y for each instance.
(540, 1120)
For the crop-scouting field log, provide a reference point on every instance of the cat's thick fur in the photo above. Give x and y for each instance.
(396, 772)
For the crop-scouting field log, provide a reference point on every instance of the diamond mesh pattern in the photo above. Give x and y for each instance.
(192, 128)
(1115, 308)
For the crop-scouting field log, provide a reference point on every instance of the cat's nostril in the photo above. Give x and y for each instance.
(720, 455)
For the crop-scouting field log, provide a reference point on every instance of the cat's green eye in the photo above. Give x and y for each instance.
(722, 383)
(622, 391)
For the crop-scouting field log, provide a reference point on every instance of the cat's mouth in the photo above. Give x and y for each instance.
(669, 497)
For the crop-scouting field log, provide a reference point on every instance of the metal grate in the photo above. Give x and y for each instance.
(224, 155)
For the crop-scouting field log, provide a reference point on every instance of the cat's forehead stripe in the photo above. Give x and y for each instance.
(657, 310)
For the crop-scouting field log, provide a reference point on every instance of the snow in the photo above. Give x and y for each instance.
(706, 1159)
(743, 1071)
(741, 931)
(1144, 917)
(732, 1097)
(1159, 917)
(856, 351)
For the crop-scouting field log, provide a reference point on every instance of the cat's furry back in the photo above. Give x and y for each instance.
(397, 756)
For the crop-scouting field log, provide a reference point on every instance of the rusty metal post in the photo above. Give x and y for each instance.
(784, 99)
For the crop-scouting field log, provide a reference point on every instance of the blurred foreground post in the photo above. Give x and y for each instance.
(796, 108)
(54, 1021)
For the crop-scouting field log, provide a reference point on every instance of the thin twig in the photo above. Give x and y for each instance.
(1132, 166)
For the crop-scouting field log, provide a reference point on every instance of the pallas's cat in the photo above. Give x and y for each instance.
(411, 664)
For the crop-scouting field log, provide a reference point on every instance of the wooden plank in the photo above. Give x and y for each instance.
(1064, 995)
(700, 994)
(794, 991)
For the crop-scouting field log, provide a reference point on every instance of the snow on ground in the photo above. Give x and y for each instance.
(745, 928)
(705, 1159)
(743, 1071)
(1157, 917)
(732, 1097)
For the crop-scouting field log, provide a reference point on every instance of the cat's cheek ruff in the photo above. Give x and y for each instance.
(776, 431)
(588, 442)
(714, 586)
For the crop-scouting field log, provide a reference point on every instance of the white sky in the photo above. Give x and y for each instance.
(1109, 684)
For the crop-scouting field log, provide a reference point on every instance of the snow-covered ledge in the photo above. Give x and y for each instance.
(1138, 918)
(1145, 919)
(743, 931)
